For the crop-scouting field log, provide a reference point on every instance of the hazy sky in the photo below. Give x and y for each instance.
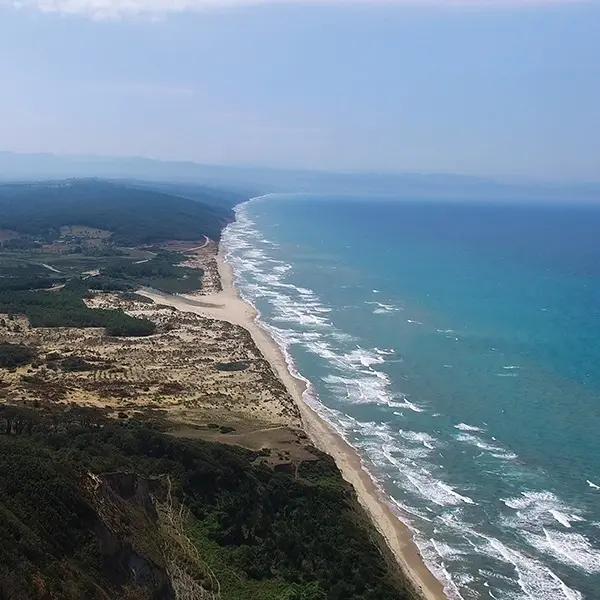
(505, 87)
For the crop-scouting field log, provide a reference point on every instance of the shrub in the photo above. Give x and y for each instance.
(15, 355)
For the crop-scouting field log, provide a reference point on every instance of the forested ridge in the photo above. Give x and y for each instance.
(134, 215)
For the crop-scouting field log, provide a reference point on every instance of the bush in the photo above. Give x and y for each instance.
(15, 355)
(75, 364)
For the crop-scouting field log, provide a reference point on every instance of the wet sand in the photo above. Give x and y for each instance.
(227, 305)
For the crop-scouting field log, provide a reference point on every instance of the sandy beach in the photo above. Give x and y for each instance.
(227, 305)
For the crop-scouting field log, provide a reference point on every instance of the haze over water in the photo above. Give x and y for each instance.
(455, 346)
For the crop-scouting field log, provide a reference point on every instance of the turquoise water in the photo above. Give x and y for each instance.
(457, 348)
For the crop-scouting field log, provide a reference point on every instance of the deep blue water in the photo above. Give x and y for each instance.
(457, 347)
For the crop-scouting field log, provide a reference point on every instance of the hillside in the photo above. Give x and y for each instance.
(133, 215)
(97, 509)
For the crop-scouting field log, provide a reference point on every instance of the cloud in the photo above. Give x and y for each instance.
(115, 9)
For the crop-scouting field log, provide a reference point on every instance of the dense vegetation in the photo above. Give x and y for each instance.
(15, 355)
(66, 308)
(265, 534)
(134, 215)
(161, 272)
(24, 290)
(23, 276)
(116, 273)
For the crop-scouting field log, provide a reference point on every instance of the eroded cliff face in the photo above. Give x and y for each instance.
(142, 537)
(68, 533)
(99, 537)
(128, 533)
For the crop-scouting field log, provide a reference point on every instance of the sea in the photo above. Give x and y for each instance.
(456, 346)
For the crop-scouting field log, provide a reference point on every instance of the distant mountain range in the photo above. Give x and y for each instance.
(248, 181)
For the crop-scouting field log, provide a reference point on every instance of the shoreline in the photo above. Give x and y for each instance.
(228, 305)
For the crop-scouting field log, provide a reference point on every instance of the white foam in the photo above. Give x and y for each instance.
(504, 455)
(446, 551)
(406, 404)
(492, 450)
(537, 508)
(536, 580)
(536, 512)
(434, 490)
(280, 269)
(366, 390)
(53, 269)
(478, 442)
(570, 548)
(385, 351)
(455, 494)
(465, 427)
(410, 510)
(383, 309)
(563, 519)
(366, 358)
(418, 436)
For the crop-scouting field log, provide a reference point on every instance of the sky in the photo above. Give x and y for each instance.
(485, 87)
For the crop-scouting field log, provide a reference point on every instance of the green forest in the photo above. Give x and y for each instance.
(81, 500)
(161, 272)
(66, 308)
(134, 215)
